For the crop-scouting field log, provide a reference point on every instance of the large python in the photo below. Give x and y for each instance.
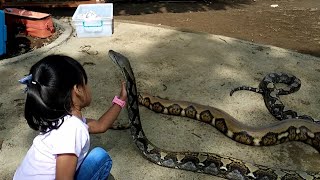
(210, 163)
(271, 94)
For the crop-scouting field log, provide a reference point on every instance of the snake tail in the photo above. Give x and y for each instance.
(247, 88)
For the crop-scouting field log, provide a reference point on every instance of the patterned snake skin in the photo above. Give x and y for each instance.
(271, 94)
(209, 163)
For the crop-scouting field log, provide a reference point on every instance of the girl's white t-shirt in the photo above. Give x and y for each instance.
(40, 162)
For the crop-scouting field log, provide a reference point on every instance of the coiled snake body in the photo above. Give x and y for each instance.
(209, 163)
(271, 94)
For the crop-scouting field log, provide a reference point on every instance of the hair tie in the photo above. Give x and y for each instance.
(26, 81)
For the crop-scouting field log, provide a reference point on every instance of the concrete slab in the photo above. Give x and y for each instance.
(189, 66)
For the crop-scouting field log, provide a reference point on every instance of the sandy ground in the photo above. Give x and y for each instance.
(294, 24)
(195, 67)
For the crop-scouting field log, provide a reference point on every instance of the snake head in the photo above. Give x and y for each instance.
(123, 63)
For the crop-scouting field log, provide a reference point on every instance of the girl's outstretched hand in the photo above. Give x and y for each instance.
(107, 119)
(123, 92)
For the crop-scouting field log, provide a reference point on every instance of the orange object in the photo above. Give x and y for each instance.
(35, 24)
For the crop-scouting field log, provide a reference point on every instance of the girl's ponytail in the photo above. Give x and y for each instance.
(49, 91)
(39, 116)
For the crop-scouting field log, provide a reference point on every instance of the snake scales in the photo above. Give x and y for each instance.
(271, 94)
(210, 163)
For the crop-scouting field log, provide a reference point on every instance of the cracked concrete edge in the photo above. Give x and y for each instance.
(66, 34)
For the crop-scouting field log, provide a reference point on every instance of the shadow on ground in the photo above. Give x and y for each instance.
(125, 8)
(152, 7)
(195, 67)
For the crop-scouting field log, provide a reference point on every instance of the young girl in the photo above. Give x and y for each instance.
(57, 91)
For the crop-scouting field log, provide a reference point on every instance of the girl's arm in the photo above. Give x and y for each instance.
(66, 165)
(107, 119)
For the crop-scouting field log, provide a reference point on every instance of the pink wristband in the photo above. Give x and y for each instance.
(118, 101)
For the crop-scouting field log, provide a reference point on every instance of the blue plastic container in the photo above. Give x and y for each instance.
(3, 34)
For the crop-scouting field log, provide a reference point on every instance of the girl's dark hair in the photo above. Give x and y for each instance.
(49, 91)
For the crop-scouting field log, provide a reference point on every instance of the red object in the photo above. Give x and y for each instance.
(32, 23)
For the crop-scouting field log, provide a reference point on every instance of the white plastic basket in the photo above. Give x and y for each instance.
(101, 25)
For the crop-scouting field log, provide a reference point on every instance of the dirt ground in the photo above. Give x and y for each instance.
(294, 24)
(196, 67)
(21, 44)
(186, 66)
